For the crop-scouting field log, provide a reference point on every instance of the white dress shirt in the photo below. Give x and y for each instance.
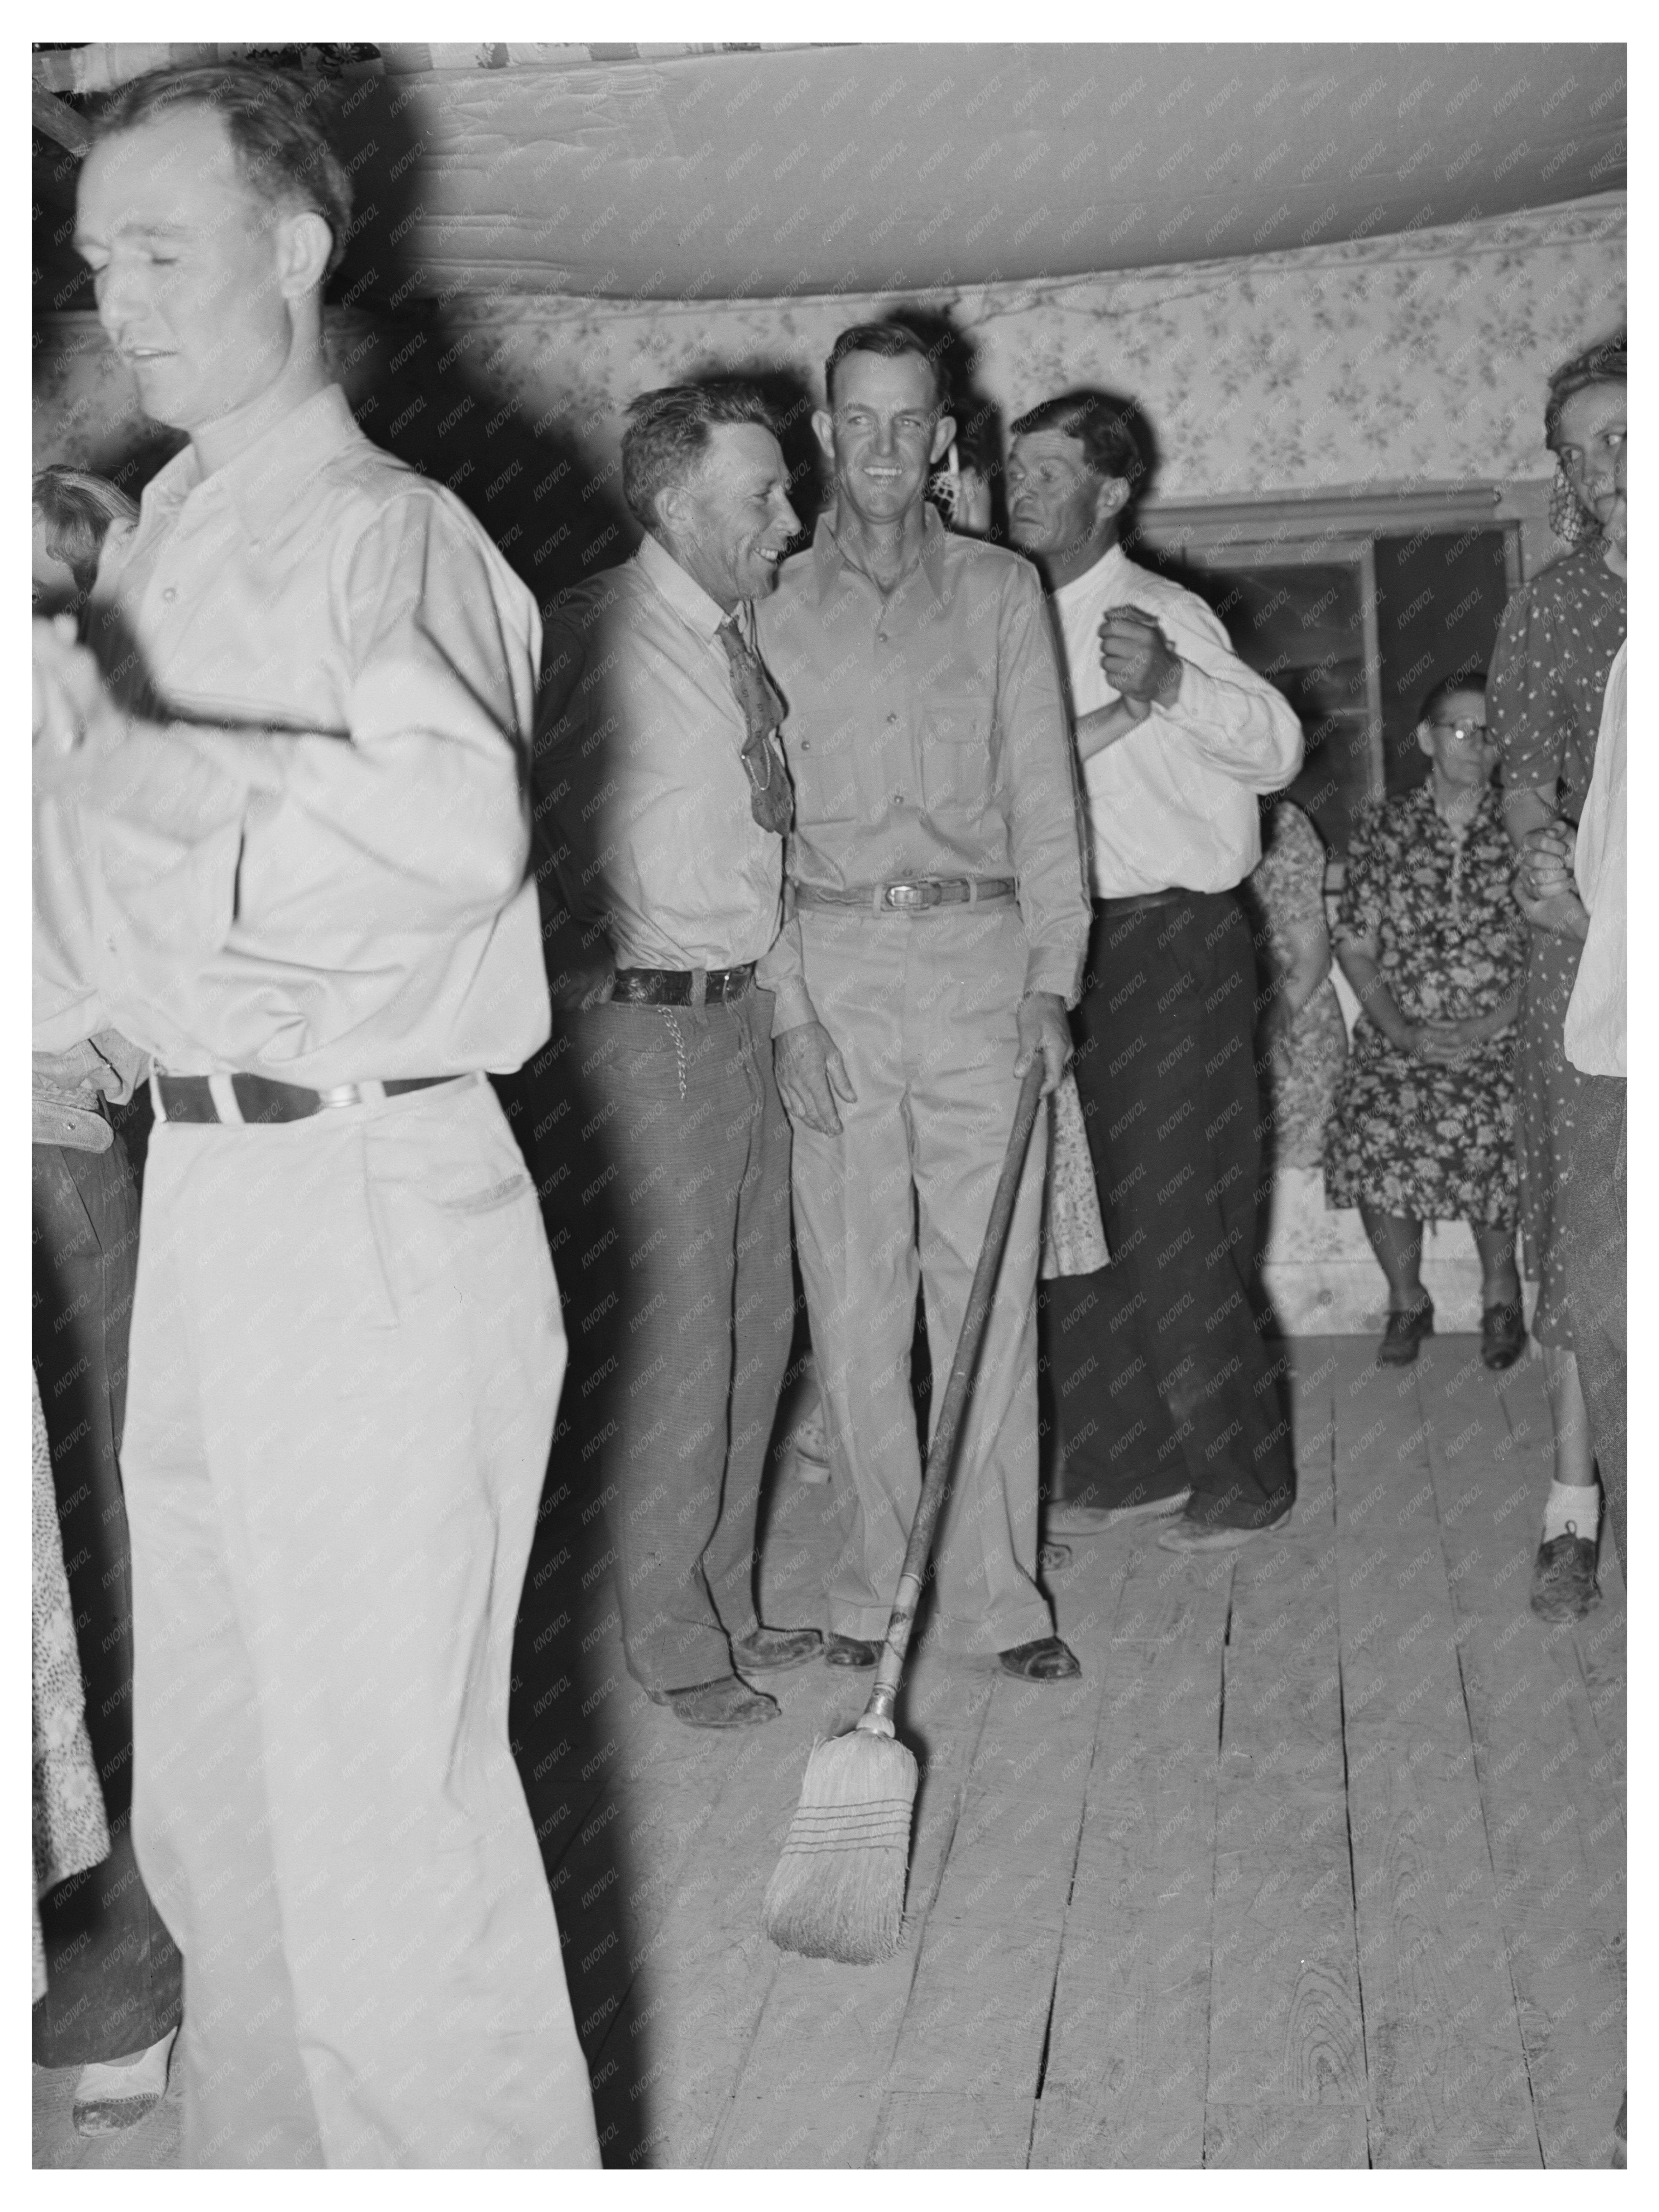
(1173, 804)
(307, 857)
(1592, 1036)
(641, 793)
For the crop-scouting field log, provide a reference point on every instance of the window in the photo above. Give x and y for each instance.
(1354, 606)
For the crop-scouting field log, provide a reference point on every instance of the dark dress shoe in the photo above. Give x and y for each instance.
(1564, 1577)
(1188, 1533)
(1403, 1333)
(850, 1651)
(1047, 1660)
(769, 1650)
(725, 1704)
(1503, 1335)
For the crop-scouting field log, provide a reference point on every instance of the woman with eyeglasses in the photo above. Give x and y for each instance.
(1559, 637)
(1427, 934)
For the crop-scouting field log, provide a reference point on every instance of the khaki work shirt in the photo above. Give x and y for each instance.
(306, 859)
(925, 735)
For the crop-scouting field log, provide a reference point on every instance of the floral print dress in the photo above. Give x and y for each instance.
(1410, 1136)
(1284, 892)
(1558, 639)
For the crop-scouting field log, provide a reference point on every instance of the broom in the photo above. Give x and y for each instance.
(838, 1889)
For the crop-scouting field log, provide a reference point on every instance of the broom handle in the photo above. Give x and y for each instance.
(878, 1717)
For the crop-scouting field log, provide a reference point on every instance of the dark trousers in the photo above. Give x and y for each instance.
(1157, 1370)
(113, 1974)
(1596, 1288)
(663, 1158)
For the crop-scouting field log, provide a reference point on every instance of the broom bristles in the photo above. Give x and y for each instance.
(838, 1889)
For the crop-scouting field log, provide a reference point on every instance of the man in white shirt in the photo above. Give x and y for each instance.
(280, 838)
(664, 1148)
(1167, 1396)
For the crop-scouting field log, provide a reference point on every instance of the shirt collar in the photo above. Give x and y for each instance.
(829, 558)
(1111, 570)
(683, 593)
(262, 481)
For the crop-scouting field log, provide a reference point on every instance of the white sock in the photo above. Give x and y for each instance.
(1567, 1502)
(135, 2074)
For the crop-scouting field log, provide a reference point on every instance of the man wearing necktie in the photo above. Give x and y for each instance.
(663, 1148)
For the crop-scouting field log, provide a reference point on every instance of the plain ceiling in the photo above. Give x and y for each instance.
(888, 168)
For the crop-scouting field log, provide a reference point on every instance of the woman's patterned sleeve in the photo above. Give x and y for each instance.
(1522, 701)
(1359, 911)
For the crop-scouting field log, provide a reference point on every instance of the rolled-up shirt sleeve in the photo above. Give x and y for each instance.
(1239, 722)
(1037, 787)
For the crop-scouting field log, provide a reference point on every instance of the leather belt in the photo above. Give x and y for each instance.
(677, 987)
(250, 1098)
(914, 897)
(1137, 900)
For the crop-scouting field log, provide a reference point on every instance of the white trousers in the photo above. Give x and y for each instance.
(346, 1358)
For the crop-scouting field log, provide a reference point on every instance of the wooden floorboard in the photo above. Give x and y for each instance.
(1126, 2074)
(1285, 2024)
(1447, 2071)
(1287, 2135)
(953, 2128)
(1551, 1789)
(1322, 1863)
(815, 2067)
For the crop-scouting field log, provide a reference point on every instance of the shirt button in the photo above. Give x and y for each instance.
(806, 744)
(892, 718)
(881, 637)
(171, 593)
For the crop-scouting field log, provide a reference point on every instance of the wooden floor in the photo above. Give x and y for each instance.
(1321, 1862)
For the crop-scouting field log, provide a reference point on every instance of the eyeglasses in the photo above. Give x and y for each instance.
(1462, 733)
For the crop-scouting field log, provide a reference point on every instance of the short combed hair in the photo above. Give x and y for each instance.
(76, 509)
(1104, 426)
(667, 435)
(1605, 363)
(283, 151)
(1475, 681)
(888, 342)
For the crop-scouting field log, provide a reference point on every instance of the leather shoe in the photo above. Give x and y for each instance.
(1063, 1520)
(850, 1651)
(1190, 1535)
(767, 1651)
(1564, 1577)
(725, 1704)
(1503, 1335)
(1403, 1333)
(1045, 1660)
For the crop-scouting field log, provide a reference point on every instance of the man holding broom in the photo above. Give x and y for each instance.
(938, 918)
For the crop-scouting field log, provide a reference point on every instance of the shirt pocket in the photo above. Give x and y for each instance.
(822, 752)
(956, 754)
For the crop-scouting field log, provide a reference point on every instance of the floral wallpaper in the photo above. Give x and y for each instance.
(1417, 356)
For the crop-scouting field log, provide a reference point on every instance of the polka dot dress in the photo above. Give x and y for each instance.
(1556, 645)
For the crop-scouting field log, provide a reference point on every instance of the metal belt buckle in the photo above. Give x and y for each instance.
(907, 898)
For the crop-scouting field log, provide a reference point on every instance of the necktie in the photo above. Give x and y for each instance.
(769, 799)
